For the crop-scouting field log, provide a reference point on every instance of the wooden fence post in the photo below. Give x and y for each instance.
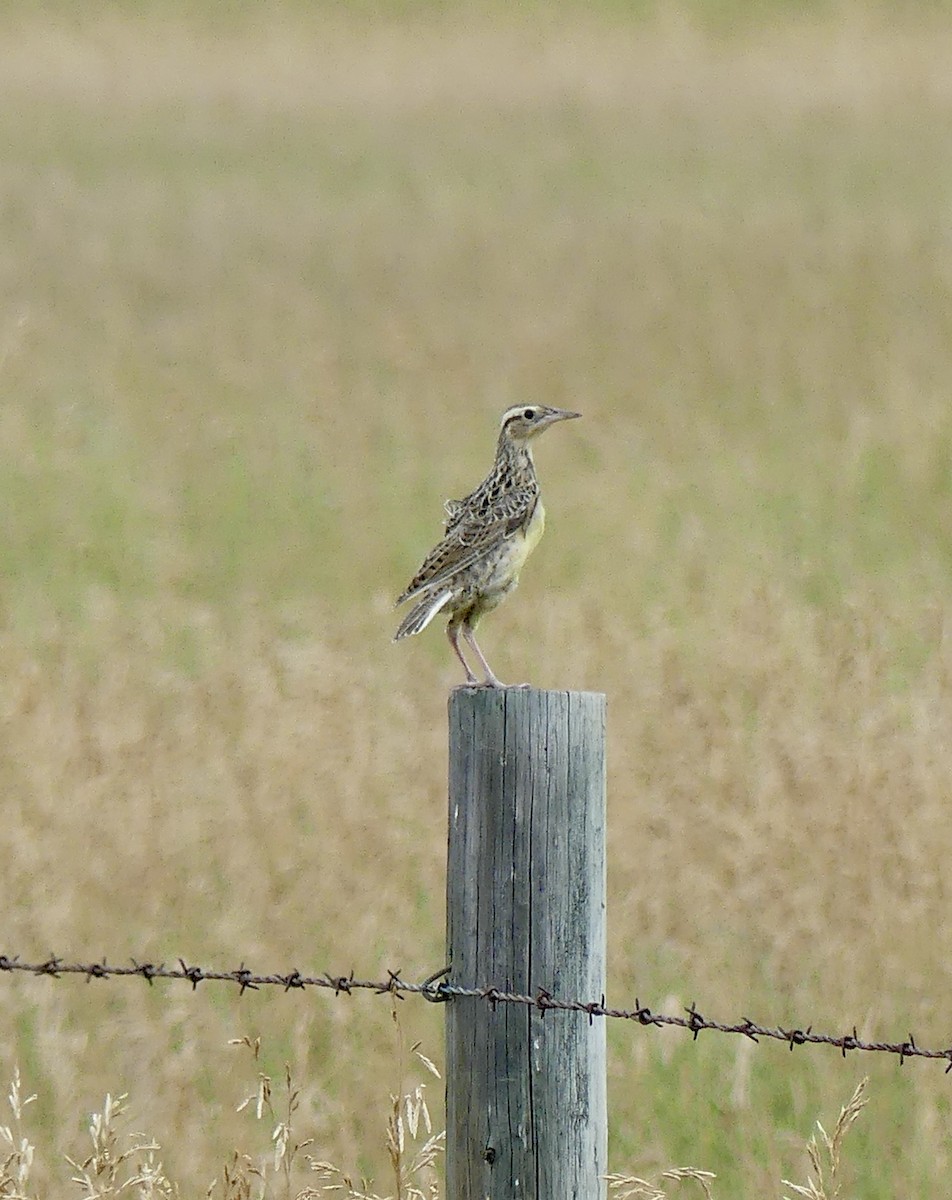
(525, 1090)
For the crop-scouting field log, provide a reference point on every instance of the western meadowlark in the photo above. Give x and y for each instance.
(489, 535)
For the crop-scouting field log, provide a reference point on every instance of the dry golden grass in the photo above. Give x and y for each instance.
(266, 290)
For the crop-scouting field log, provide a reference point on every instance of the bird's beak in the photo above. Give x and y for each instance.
(560, 414)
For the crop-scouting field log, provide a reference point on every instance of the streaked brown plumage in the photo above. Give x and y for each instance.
(489, 535)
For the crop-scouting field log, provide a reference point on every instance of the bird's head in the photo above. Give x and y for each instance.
(524, 421)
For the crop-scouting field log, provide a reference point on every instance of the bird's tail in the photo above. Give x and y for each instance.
(422, 614)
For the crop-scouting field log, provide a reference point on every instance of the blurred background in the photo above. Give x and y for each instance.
(269, 274)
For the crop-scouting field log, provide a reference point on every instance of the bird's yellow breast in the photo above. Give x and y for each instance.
(527, 541)
(501, 572)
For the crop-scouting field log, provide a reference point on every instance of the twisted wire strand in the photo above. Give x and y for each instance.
(438, 990)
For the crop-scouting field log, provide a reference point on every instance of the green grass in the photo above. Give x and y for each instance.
(265, 295)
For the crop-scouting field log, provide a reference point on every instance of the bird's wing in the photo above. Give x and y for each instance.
(470, 536)
(473, 503)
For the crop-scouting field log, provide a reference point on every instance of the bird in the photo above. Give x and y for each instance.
(488, 535)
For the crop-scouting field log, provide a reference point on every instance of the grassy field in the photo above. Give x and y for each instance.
(265, 291)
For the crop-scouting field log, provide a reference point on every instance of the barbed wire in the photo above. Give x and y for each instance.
(436, 989)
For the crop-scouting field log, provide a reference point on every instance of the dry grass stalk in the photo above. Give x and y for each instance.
(825, 1182)
(413, 1149)
(237, 1181)
(632, 1187)
(109, 1171)
(412, 1162)
(15, 1146)
(285, 1149)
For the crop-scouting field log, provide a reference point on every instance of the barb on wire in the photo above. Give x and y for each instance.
(438, 990)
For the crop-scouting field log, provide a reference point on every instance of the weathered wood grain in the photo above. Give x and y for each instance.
(526, 1108)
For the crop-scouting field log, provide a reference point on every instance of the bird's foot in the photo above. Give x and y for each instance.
(491, 681)
(495, 684)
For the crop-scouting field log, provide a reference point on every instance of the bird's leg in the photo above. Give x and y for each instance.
(452, 632)
(491, 680)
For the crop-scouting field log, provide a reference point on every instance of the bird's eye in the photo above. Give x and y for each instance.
(529, 414)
